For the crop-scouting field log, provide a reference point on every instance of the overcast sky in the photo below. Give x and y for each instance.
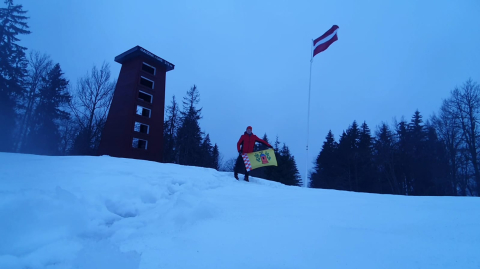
(250, 59)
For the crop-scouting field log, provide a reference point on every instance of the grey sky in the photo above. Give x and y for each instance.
(250, 59)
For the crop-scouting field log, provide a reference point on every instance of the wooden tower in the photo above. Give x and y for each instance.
(134, 127)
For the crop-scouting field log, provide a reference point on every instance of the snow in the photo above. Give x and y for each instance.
(104, 212)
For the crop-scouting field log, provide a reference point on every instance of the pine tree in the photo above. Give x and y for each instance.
(44, 137)
(287, 171)
(276, 145)
(216, 158)
(348, 159)
(343, 178)
(403, 158)
(385, 161)
(13, 68)
(170, 128)
(419, 165)
(353, 134)
(206, 159)
(189, 135)
(366, 170)
(325, 169)
(292, 177)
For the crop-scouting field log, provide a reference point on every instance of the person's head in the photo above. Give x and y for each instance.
(249, 130)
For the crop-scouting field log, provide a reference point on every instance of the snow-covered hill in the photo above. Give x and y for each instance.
(104, 212)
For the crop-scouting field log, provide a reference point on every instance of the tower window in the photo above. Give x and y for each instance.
(146, 82)
(139, 143)
(148, 68)
(143, 111)
(141, 128)
(145, 96)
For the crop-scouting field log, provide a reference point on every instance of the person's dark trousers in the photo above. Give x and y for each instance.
(240, 168)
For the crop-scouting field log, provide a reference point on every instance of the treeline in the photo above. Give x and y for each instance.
(184, 141)
(40, 111)
(436, 157)
(186, 144)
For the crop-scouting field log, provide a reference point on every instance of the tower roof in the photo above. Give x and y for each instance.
(139, 51)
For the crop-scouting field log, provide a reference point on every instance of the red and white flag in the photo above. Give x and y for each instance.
(322, 43)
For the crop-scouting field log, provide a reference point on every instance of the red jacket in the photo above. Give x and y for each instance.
(248, 142)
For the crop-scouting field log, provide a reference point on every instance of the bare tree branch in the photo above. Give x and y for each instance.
(92, 102)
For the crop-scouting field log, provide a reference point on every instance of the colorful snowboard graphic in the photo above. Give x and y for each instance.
(259, 159)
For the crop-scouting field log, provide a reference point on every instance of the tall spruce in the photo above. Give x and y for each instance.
(353, 134)
(365, 168)
(13, 68)
(326, 165)
(404, 158)
(343, 178)
(348, 159)
(206, 158)
(189, 135)
(170, 128)
(419, 162)
(45, 137)
(286, 172)
(385, 161)
(216, 158)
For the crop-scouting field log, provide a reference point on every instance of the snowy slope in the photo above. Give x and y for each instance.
(103, 212)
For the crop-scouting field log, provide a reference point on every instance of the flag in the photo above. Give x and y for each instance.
(259, 159)
(322, 43)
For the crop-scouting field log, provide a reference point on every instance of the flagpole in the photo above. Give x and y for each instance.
(305, 184)
(323, 42)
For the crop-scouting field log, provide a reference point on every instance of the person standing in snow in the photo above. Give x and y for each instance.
(247, 143)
